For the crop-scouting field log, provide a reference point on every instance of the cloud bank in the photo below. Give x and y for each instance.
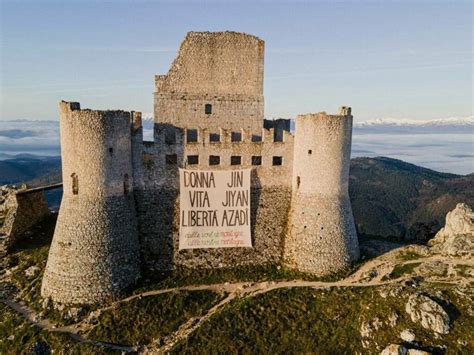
(444, 145)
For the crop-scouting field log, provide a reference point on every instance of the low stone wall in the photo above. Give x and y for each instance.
(21, 211)
(158, 220)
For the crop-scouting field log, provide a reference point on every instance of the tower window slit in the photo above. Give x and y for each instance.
(75, 183)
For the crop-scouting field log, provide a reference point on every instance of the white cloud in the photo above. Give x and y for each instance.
(443, 145)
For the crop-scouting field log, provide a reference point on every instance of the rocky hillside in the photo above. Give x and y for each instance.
(411, 300)
(390, 198)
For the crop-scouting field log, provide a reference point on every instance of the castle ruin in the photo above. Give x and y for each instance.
(120, 210)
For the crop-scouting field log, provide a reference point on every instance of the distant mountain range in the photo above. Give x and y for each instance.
(412, 126)
(395, 125)
(28, 167)
(390, 198)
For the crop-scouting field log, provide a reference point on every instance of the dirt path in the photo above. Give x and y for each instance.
(72, 331)
(369, 274)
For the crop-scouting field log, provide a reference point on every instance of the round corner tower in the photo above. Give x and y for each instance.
(321, 238)
(94, 254)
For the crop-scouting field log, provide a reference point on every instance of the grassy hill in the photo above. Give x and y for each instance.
(248, 311)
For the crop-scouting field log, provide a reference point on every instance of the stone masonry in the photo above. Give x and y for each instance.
(321, 236)
(122, 193)
(94, 254)
(19, 212)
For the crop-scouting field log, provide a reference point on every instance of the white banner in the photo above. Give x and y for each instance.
(214, 209)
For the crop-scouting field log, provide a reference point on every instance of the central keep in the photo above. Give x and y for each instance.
(214, 209)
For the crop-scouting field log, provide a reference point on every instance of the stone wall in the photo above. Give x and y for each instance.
(20, 213)
(215, 81)
(157, 199)
(226, 63)
(158, 212)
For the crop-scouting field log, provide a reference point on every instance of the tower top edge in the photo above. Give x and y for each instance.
(76, 106)
(344, 112)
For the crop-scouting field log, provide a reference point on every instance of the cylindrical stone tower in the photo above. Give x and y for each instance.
(94, 254)
(321, 236)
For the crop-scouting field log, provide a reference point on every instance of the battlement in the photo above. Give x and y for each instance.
(73, 110)
(69, 106)
(169, 135)
(344, 112)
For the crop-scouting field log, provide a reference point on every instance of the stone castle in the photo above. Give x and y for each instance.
(119, 213)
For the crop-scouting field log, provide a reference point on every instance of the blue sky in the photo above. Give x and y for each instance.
(402, 59)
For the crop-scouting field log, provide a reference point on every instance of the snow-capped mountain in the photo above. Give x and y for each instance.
(450, 121)
(401, 125)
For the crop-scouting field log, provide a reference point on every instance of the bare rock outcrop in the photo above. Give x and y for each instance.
(430, 314)
(457, 236)
(398, 349)
(394, 349)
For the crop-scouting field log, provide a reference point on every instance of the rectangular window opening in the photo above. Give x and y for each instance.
(256, 160)
(256, 138)
(207, 109)
(236, 137)
(193, 159)
(214, 160)
(278, 134)
(214, 137)
(235, 160)
(191, 135)
(277, 161)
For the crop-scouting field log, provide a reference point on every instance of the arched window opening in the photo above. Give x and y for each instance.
(207, 109)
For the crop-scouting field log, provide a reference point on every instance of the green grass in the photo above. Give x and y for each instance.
(184, 277)
(299, 320)
(142, 320)
(409, 255)
(32, 250)
(25, 335)
(399, 270)
(306, 320)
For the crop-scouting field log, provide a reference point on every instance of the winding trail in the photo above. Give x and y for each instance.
(72, 330)
(369, 274)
